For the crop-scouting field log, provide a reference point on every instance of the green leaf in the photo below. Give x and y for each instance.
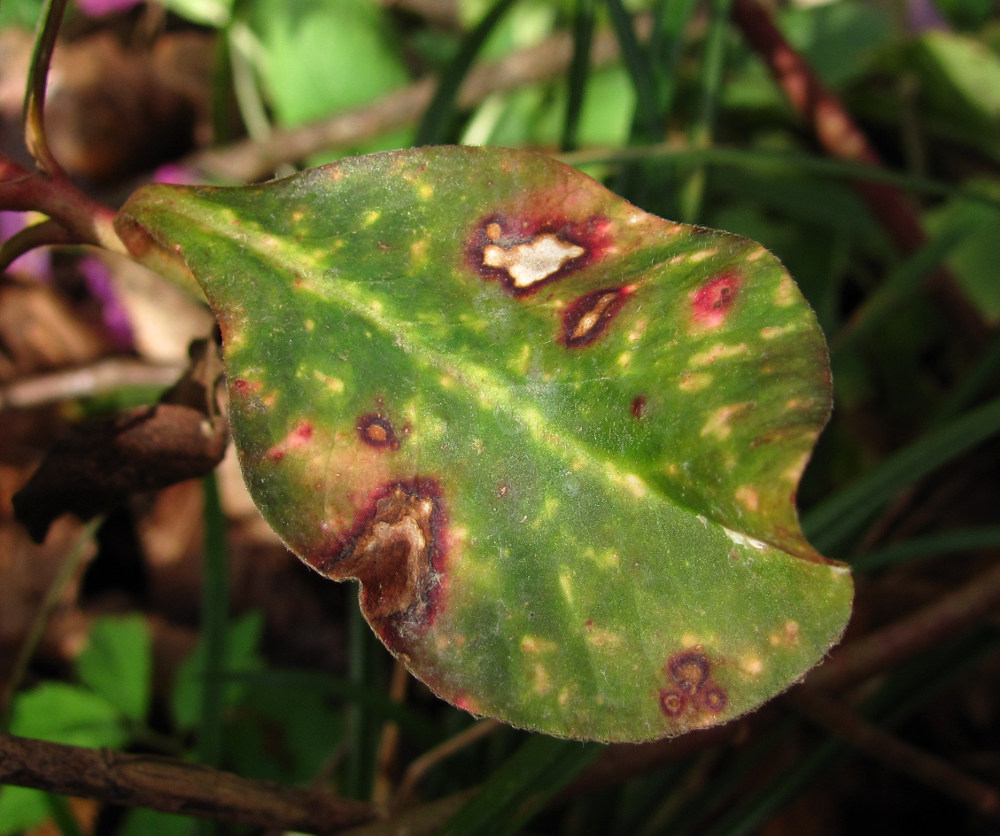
(323, 56)
(68, 714)
(556, 438)
(117, 663)
(21, 809)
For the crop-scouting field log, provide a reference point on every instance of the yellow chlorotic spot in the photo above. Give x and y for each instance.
(624, 359)
(794, 471)
(636, 332)
(565, 695)
(375, 305)
(310, 325)
(690, 640)
(792, 632)
(446, 382)
(297, 216)
(528, 264)
(635, 485)
(772, 332)
(598, 637)
(565, 584)
(701, 255)
(748, 497)
(752, 665)
(541, 683)
(717, 425)
(756, 255)
(521, 363)
(785, 294)
(536, 644)
(694, 381)
(719, 351)
(370, 217)
(425, 190)
(418, 251)
(677, 259)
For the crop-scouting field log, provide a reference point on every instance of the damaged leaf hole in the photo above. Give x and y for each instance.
(693, 688)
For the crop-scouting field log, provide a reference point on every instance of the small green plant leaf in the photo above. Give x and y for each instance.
(118, 664)
(557, 439)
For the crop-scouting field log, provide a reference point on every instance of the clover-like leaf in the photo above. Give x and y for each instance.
(557, 439)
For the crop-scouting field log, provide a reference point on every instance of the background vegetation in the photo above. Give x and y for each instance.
(176, 624)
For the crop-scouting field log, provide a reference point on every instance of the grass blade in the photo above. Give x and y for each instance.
(521, 787)
(434, 125)
(832, 523)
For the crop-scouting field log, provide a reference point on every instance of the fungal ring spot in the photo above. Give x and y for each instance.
(528, 264)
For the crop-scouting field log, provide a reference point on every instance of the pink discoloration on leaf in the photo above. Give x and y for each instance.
(550, 248)
(243, 388)
(298, 438)
(712, 302)
(589, 316)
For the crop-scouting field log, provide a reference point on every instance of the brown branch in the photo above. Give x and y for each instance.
(173, 786)
(897, 754)
(829, 121)
(250, 160)
(840, 137)
(909, 635)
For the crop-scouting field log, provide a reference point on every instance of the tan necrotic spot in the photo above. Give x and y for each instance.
(587, 317)
(530, 263)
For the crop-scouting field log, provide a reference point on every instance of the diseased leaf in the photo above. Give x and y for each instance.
(557, 439)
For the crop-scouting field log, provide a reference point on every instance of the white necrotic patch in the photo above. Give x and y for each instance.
(530, 263)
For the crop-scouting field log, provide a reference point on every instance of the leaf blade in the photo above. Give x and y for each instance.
(556, 438)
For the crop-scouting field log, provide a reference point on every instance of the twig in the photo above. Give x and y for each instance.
(103, 376)
(249, 160)
(895, 753)
(70, 564)
(841, 137)
(823, 113)
(388, 747)
(422, 765)
(173, 786)
(911, 634)
(38, 75)
(46, 233)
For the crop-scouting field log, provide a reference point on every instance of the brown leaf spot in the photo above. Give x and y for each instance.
(711, 303)
(689, 670)
(396, 552)
(376, 431)
(525, 252)
(639, 407)
(714, 699)
(588, 316)
(672, 703)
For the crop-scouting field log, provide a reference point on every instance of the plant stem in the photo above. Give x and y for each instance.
(172, 786)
